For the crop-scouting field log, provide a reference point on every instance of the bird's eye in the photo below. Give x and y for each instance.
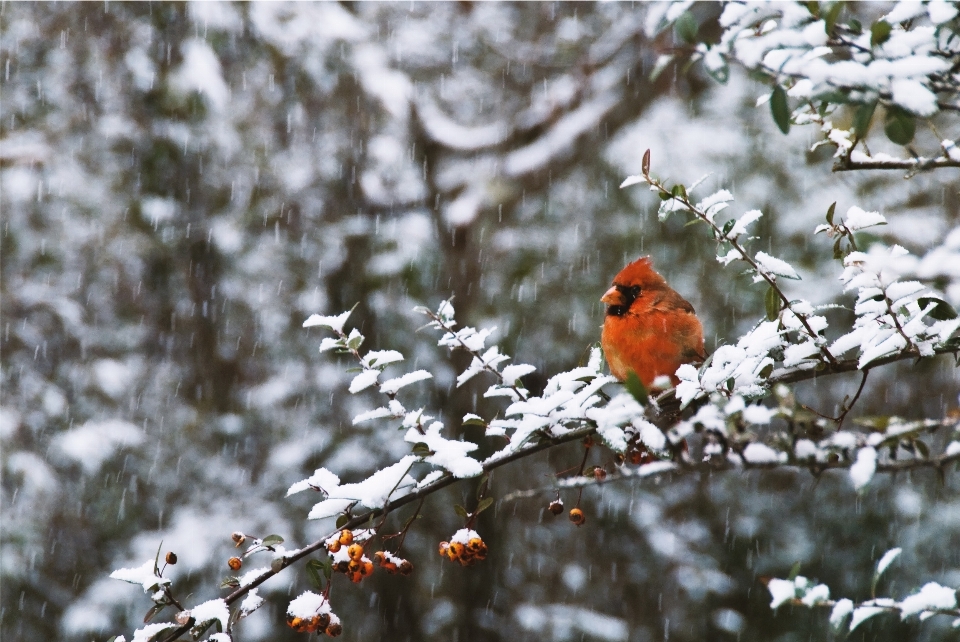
(634, 291)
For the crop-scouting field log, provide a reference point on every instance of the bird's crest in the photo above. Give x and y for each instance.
(641, 273)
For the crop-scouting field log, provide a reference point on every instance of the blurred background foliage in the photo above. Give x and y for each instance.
(182, 185)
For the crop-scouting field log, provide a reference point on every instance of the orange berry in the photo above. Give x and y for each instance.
(577, 516)
(334, 546)
(321, 621)
(346, 537)
(474, 544)
(354, 566)
(555, 507)
(406, 567)
(366, 568)
(334, 629)
(443, 548)
(238, 538)
(171, 558)
(599, 474)
(379, 558)
(355, 551)
(293, 622)
(357, 577)
(234, 563)
(342, 566)
(455, 551)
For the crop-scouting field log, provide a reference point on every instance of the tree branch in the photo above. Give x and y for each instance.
(657, 469)
(784, 376)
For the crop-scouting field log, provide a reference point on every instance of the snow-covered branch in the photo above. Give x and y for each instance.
(820, 57)
(846, 615)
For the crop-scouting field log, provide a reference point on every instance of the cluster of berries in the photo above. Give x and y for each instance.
(348, 557)
(465, 547)
(637, 453)
(392, 564)
(576, 514)
(310, 613)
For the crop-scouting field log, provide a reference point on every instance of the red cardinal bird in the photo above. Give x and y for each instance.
(649, 328)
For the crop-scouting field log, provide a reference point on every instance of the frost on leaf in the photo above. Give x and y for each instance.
(144, 575)
(780, 591)
(391, 386)
(211, 610)
(335, 323)
(307, 605)
(863, 613)
(931, 596)
(840, 611)
(150, 631)
(364, 380)
(862, 470)
(757, 453)
(446, 453)
(773, 266)
(887, 560)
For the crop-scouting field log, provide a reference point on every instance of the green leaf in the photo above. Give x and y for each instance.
(830, 212)
(484, 504)
(879, 32)
(900, 126)
(461, 511)
(780, 109)
(726, 227)
(473, 422)
(420, 449)
(794, 571)
(767, 369)
(720, 74)
(686, 27)
(355, 341)
(483, 484)
(156, 608)
(342, 520)
(314, 573)
(922, 448)
(731, 383)
(664, 196)
(855, 26)
(771, 302)
(861, 119)
(679, 191)
(814, 8)
(833, 14)
(943, 312)
(272, 540)
(277, 564)
(636, 388)
(230, 582)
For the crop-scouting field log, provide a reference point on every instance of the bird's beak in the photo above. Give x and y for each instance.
(612, 296)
